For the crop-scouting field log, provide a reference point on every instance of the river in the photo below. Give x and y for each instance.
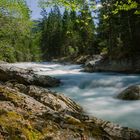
(95, 92)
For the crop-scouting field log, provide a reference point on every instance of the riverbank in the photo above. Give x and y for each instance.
(38, 113)
(102, 63)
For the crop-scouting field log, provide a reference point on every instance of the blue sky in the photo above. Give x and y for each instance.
(33, 5)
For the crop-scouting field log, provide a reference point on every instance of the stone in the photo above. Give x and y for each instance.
(101, 63)
(81, 59)
(25, 76)
(130, 93)
(30, 112)
(56, 101)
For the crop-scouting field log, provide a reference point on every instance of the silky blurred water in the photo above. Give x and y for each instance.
(95, 92)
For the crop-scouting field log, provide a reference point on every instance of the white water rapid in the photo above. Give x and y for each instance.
(95, 92)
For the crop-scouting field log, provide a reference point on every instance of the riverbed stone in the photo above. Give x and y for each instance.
(26, 76)
(130, 93)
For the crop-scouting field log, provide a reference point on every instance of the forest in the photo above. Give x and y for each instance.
(69, 28)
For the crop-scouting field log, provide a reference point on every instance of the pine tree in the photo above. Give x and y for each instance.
(87, 30)
(51, 34)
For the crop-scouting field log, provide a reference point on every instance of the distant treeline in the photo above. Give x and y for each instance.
(69, 32)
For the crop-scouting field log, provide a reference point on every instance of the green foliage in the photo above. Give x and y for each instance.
(69, 33)
(126, 6)
(15, 31)
(119, 29)
(68, 4)
(14, 8)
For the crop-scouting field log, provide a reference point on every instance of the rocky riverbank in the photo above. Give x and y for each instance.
(26, 76)
(31, 112)
(101, 63)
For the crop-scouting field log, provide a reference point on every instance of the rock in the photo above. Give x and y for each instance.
(103, 63)
(3, 62)
(25, 76)
(91, 63)
(116, 131)
(95, 60)
(23, 117)
(20, 100)
(81, 59)
(50, 115)
(57, 102)
(130, 93)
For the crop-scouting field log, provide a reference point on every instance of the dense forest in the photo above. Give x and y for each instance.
(69, 28)
(18, 41)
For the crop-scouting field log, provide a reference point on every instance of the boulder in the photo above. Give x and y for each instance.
(26, 76)
(130, 93)
(81, 59)
(90, 64)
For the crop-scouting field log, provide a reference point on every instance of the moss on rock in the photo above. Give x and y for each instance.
(16, 127)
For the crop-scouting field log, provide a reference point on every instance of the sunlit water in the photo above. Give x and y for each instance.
(95, 92)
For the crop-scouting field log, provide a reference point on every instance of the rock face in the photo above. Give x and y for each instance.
(25, 76)
(36, 113)
(102, 63)
(115, 131)
(131, 93)
(22, 117)
(55, 101)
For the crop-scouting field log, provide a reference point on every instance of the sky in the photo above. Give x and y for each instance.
(33, 5)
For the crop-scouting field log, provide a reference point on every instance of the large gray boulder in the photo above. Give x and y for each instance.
(130, 93)
(26, 76)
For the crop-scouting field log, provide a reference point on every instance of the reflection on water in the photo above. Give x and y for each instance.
(96, 92)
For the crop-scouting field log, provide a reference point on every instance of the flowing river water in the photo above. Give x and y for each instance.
(95, 92)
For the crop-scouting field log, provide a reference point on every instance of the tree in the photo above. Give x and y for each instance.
(118, 32)
(86, 28)
(51, 34)
(15, 31)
